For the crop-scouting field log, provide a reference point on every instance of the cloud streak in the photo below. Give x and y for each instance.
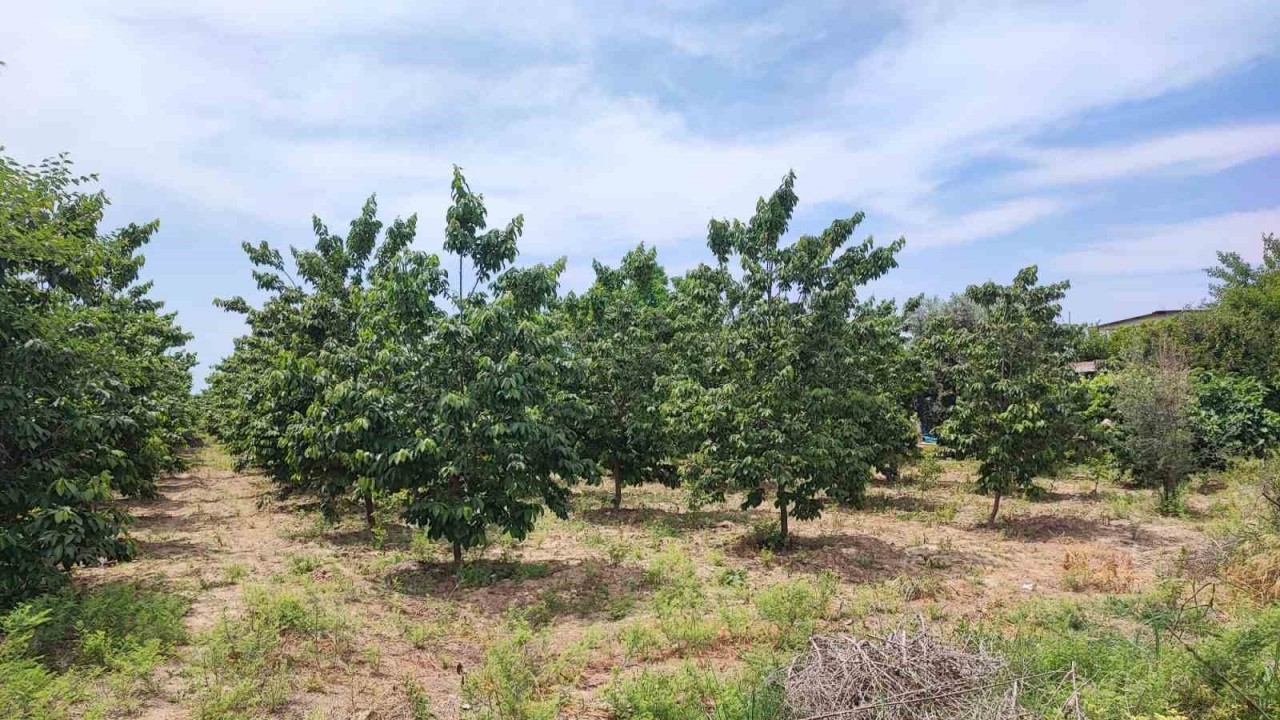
(609, 124)
(1176, 247)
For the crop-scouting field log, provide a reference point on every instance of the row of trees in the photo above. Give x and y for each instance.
(94, 385)
(479, 397)
(1174, 396)
(482, 395)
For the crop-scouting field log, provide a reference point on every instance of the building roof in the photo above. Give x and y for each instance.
(1154, 315)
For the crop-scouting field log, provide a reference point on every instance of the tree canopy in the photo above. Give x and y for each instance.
(621, 327)
(1018, 404)
(94, 381)
(796, 390)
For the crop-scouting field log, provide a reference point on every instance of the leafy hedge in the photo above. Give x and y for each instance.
(94, 386)
(1231, 418)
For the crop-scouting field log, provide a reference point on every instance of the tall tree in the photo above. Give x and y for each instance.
(294, 398)
(1018, 404)
(621, 328)
(790, 400)
(485, 425)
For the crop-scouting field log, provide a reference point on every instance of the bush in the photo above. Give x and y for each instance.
(508, 685)
(1230, 418)
(242, 665)
(793, 609)
(52, 648)
(1155, 400)
(96, 392)
(692, 693)
(1123, 674)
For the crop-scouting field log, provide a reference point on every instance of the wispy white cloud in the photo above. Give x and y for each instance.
(274, 111)
(1175, 247)
(1193, 152)
(987, 222)
(283, 110)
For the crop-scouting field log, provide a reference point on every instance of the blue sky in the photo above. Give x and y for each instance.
(1116, 144)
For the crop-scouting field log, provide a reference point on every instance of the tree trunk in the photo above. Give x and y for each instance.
(368, 509)
(457, 557)
(782, 524)
(995, 510)
(617, 484)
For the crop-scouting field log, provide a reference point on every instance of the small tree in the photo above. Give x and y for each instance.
(1155, 399)
(1018, 404)
(484, 427)
(296, 395)
(793, 390)
(620, 327)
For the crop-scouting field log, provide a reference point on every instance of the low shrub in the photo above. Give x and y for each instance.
(793, 609)
(54, 649)
(1158, 670)
(693, 693)
(241, 666)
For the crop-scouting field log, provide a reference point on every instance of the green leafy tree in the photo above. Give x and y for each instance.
(792, 388)
(484, 424)
(1230, 418)
(1018, 404)
(294, 398)
(94, 385)
(621, 328)
(1237, 331)
(935, 364)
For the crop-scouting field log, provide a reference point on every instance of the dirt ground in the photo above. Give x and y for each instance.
(215, 532)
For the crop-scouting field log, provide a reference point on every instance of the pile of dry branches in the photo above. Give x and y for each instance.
(906, 675)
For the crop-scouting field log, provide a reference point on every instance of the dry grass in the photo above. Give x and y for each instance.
(1085, 569)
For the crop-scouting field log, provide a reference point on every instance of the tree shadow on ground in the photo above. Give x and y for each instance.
(898, 502)
(397, 536)
(641, 517)
(856, 558)
(170, 518)
(539, 591)
(1048, 527)
(1046, 496)
(172, 548)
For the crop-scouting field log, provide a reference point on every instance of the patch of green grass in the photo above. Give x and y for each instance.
(234, 573)
(510, 683)
(792, 609)
(304, 564)
(242, 667)
(1125, 673)
(879, 599)
(694, 693)
(84, 652)
(419, 701)
(639, 639)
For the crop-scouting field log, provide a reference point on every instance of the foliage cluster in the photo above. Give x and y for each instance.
(377, 371)
(1017, 407)
(94, 384)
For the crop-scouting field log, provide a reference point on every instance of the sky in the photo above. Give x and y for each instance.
(1115, 144)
